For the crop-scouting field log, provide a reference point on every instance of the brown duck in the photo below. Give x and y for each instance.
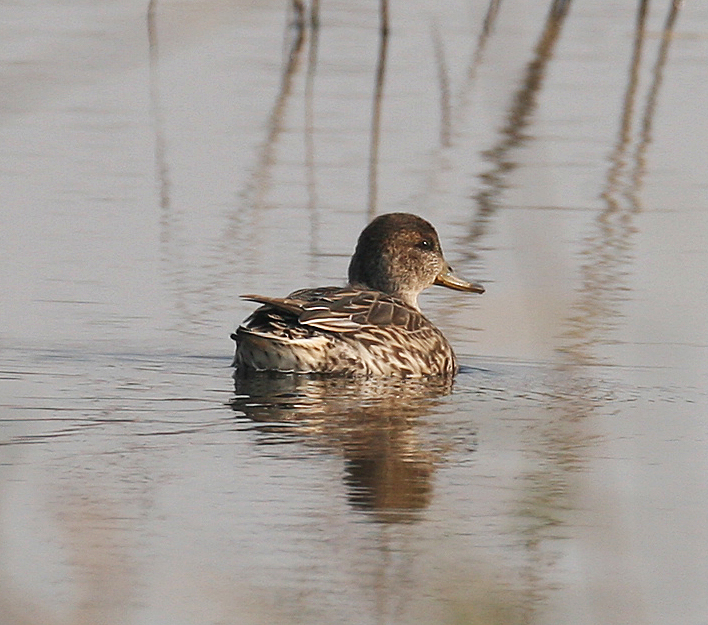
(373, 326)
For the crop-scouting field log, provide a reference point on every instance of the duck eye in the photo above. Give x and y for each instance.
(425, 244)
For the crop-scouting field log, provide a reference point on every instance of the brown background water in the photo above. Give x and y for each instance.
(156, 160)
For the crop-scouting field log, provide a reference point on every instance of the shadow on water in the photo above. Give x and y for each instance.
(372, 423)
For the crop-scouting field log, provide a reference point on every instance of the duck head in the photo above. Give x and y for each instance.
(400, 255)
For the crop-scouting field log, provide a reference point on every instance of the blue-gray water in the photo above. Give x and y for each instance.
(158, 159)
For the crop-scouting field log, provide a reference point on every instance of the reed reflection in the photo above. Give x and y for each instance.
(490, 19)
(309, 136)
(454, 108)
(444, 86)
(239, 241)
(454, 119)
(170, 217)
(372, 423)
(376, 109)
(261, 176)
(158, 121)
(513, 134)
(577, 392)
(651, 102)
(607, 252)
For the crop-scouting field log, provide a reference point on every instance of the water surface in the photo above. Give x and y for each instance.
(157, 159)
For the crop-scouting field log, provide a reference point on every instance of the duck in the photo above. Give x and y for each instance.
(373, 326)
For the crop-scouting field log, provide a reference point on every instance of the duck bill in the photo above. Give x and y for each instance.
(451, 281)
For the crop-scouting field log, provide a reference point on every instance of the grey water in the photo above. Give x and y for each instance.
(157, 159)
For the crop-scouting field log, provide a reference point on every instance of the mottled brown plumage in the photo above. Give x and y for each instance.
(373, 326)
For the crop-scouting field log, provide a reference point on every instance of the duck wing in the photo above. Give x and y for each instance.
(334, 309)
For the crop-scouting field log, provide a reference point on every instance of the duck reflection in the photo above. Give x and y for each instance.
(372, 423)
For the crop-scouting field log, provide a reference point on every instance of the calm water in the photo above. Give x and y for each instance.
(156, 160)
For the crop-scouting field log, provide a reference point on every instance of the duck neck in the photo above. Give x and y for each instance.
(407, 297)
